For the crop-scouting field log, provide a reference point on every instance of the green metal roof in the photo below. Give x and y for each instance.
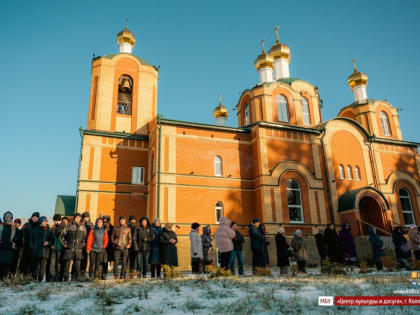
(347, 201)
(142, 61)
(288, 80)
(65, 205)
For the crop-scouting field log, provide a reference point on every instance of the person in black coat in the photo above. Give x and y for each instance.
(320, 244)
(332, 241)
(109, 252)
(265, 259)
(256, 239)
(168, 242)
(25, 266)
(402, 248)
(7, 237)
(17, 247)
(40, 241)
(132, 254)
(238, 242)
(73, 239)
(283, 251)
(143, 240)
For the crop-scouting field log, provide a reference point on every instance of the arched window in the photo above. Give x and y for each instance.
(294, 201)
(341, 170)
(218, 166)
(349, 172)
(406, 206)
(247, 118)
(386, 130)
(305, 111)
(219, 210)
(283, 108)
(357, 172)
(125, 88)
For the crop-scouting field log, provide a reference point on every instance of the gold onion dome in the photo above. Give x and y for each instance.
(357, 78)
(279, 50)
(125, 36)
(220, 111)
(264, 60)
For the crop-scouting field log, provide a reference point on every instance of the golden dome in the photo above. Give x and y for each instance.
(220, 111)
(264, 60)
(279, 50)
(125, 36)
(357, 78)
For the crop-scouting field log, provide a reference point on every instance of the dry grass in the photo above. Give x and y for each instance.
(389, 263)
(171, 272)
(332, 268)
(262, 272)
(218, 272)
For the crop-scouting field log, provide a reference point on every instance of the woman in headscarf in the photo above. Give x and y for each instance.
(168, 242)
(300, 250)
(348, 245)
(332, 241)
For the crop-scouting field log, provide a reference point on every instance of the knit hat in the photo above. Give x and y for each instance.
(77, 214)
(17, 221)
(132, 217)
(8, 217)
(57, 217)
(255, 220)
(41, 219)
(298, 232)
(195, 226)
(85, 215)
(35, 214)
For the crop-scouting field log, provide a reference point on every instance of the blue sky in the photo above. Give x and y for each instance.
(203, 48)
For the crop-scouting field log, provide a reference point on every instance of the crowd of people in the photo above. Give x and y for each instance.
(64, 250)
(55, 252)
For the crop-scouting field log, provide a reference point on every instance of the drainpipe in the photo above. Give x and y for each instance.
(78, 171)
(327, 177)
(158, 170)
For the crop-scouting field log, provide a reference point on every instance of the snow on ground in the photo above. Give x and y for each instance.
(199, 294)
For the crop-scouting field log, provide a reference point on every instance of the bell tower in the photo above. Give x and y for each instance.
(123, 93)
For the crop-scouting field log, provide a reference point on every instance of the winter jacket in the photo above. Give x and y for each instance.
(73, 239)
(156, 248)
(27, 228)
(399, 240)
(206, 241)
(347, 243)
(334, 250)
(57, 229)
(283, 250)
(377, 245)
(7, 236)
(169, 251)
(143, 239)
(265, 258)
(196, 246)
(224, 235)
(238, 241)
(133, 228)
(414, 238)
(121, 237)
(89, 226)
(97, 240)
(38, 236)
(255, 236)
(320, 245)
(299, 248)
